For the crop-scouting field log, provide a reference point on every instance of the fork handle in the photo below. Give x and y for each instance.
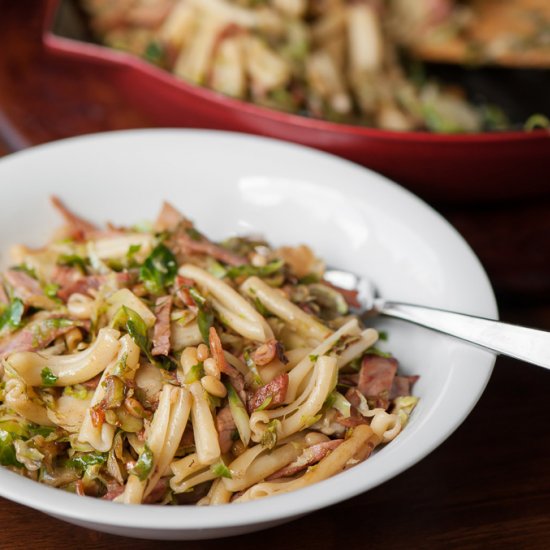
(523, 343)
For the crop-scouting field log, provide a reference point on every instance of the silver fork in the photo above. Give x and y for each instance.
(527, 344)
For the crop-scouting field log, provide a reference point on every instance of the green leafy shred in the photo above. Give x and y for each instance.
(262, 310)
(221, 470)
(144, 464)
(159, 270)
(205, 319)
(216, 269)
(48, 377)
(154, 53)
(7, 450)
(253, 271)
(198, 298)
(196, 372)
(265, 403)
(13, 314)
(131, 320)
(269, 437)
(256, 378)
(83, 461)
(313, 358)
(73, 260)
(50, 290)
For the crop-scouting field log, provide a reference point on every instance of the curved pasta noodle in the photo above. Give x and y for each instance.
(179, 415)
(18, 399)
(324, 376)
(101, 437)
(386, 426)
(206, 436)
(188, 472)
(357, 447)
(256, 326)
(125, 297)
(218, 494)
(117, 246)
(367, 339)
(272, 300)
(135, 487)
(258, 462)
(298, 374)
(68, 369)
(276, 367)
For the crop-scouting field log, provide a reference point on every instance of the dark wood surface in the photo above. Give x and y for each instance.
(488, 485)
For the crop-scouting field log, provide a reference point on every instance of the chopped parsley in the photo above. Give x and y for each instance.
(48, 377)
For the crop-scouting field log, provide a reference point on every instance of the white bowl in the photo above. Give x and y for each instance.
(232, 183)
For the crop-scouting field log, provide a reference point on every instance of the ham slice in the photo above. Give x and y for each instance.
(311, 455)
(71, 281)
(187, 245)
(276, 390)
(161, 330)
(268, 351)
(376, 376)
(168, 218)
(35, 336)
(78, 228)
(402, 386)
(25, 287)
(226, 428)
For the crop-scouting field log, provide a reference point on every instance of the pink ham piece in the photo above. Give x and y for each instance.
(187, 245)
(402, 386)
(71, 281)
(168, 218)
(114, 489)
(35, 336)
(311, 455)
(161, 330)
(264, 354)
(24, 286)
(78, 228)
(226, 428)
(376, 375)
(276, 390)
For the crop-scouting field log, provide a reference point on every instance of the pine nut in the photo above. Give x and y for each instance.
(213, 386)
(73, 338)
(211, 367)
(202, 352)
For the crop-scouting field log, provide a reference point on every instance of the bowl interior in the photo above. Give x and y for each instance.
(237, 184)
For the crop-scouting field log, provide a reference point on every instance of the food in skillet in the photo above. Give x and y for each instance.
(152, 365)
(337, 60)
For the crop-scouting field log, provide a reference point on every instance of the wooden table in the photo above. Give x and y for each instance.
(487, 485)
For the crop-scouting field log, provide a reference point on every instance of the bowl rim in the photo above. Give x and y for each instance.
(274, 509)
(65, 46)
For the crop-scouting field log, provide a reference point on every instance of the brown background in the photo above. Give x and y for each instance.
(488, 485)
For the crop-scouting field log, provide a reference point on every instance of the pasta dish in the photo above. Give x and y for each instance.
(337, 60)
(149, 364)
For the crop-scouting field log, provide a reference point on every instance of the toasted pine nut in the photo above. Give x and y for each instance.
(211, 367)
(80, 306)
(188, 359)
(213, 386)
(202, 352)
(73, 338)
